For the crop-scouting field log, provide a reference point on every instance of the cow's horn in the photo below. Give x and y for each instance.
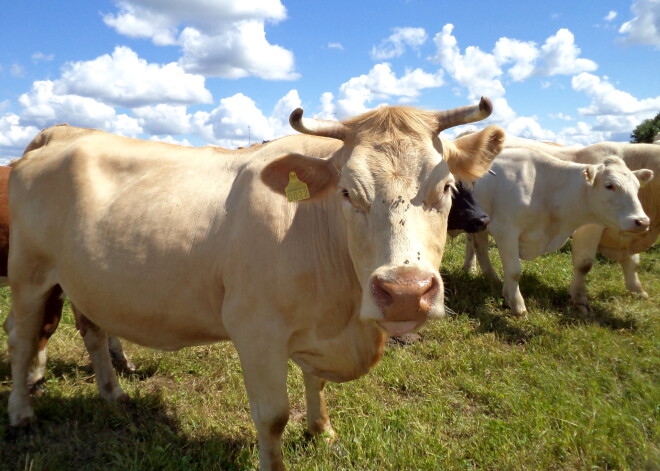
(316, 127)
(464, 114)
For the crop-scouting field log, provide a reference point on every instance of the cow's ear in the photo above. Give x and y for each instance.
(318, 175)
(589, 172)
(470, 156)
(644, 176)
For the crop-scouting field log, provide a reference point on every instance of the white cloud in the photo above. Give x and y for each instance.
(644, 28)
(40, 56)
(17, 70)
(522, 54)
(562, 116)
(279, 119)
(123, 79)
(479, 72)
(163, 119)
(559, 56)
(337, 46)
(14, 137)
(475, 70)
(225, 39)
(43, 107)
(395, 45)
(240, 51)
(381, 83)
(610, 16)
(607, 100)
(529, 128)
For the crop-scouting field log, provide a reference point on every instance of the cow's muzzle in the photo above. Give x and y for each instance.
(405, 297)
(641, 224)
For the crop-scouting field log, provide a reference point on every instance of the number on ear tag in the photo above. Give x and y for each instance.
(296, 190)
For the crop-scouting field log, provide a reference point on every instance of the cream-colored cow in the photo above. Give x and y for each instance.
(171, 246)
(621, 246)
(535, 202)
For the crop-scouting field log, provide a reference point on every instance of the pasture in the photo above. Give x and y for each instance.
(480, 390)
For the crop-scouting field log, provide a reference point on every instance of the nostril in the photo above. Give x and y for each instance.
(380, 293)
(429, 296)
(642, 222)
(485, 220)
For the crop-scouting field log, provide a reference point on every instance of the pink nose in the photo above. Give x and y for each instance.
(405, 294)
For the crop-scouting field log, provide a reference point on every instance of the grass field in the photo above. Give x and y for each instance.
(479, 391)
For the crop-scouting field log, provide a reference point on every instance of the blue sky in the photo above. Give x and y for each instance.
(229, 72)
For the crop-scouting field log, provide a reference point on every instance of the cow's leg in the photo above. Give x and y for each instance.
(470, 260)
(511, 268)
(264, 362)
(51, 319)
(479, 241)
(318, 421)
(120, 361)
(583, 251)
(96, 342)
(629, 264)
(23, 332)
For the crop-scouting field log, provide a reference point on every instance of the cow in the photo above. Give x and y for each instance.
(53, 309)
(620, 246)
(536, 202)
(312, 247)
(465, 215)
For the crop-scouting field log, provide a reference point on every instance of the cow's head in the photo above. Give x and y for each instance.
(466, 214)
(613, 194)
(394, 179)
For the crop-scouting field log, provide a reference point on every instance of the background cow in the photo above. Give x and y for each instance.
(536, 202)
(171, 246)
(620, 246)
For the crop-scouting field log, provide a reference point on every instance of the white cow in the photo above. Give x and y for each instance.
(620, 246)
(171, 246)
(536, 202)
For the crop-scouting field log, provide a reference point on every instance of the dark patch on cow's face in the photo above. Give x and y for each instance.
(466, 214)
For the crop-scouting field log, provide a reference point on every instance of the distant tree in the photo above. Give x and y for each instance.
(646, 131)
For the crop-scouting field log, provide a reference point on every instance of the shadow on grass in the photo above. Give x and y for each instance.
(90, 434)
(480, 298)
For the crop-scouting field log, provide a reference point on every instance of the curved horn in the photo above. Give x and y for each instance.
(316, 127)
(464, 114)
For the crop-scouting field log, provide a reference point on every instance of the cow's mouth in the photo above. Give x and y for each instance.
(398, 328)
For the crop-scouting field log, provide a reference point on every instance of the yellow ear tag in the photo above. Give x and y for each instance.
(296, 190)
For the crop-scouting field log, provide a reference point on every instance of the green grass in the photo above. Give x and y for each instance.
(480, 391)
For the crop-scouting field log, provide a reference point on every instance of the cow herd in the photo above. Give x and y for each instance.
(313, 247)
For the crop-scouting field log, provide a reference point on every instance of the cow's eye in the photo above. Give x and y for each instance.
(345, 194)
(447, 188)
(610, 187)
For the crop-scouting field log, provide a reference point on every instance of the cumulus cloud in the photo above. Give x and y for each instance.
(608, 100)
(644, 28)
(123, 79)
(241, 50)
(479, 72)
(14, 137)
(475, 70)
(560, 56)
(163, 119)
(42, 107)
(382, 84)
(224, 39)
(610, 16)
(522, 54)
(395, 45)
